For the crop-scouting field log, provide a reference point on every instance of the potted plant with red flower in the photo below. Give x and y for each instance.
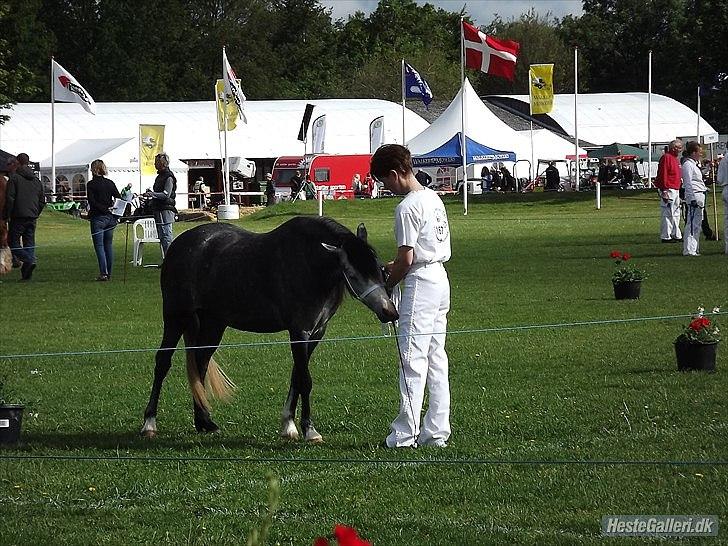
(11, 415)
(627, 279)
(345, 536)
(697, 346)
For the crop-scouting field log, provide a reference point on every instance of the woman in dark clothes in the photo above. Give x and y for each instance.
(101, 193)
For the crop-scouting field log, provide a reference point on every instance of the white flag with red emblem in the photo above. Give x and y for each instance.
(232, 86)
(67, 89)
(492, 56)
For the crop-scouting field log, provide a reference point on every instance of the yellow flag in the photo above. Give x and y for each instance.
(230, 108)
(541, 85)
(151, 143)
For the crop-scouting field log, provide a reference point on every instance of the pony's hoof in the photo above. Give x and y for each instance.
(313, 437)
(207, 428)
(149, 430)
(289, 430)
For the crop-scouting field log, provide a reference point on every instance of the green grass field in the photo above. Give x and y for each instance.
(552, 427)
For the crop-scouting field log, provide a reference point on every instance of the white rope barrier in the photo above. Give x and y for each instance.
(359, 338)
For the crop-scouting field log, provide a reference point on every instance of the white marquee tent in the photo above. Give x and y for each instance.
(605, 118)
(483, 126)
(191, 130)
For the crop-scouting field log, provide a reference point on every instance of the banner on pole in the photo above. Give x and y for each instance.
(541, 83)
(376, 134)
(304, 122)
(318, 134)
(151, 143)
(225, 104)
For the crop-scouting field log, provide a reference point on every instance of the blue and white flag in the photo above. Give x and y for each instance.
(415, 86)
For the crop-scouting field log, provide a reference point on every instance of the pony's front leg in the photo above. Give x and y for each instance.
(288, 425)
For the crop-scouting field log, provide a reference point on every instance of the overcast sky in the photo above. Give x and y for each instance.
(481, 11)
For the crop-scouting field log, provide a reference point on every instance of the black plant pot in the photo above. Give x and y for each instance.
(11, 418)
(696, 356)
(629, 290)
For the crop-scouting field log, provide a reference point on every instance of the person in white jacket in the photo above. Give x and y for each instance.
(722, 179)
(695, 189)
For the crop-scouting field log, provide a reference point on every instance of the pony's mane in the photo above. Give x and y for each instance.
(361, 255)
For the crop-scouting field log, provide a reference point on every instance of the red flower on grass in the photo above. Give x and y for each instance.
(615, 254)
(699, 323)
(345, 536)
(626, 256)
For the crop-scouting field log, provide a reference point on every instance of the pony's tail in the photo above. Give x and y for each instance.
(220, 384)
(221, 387)
(6, 260)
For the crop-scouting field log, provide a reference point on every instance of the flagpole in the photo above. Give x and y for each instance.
(403, 104)
(649, 120)
(697, 132)
(140, 159)
(226, 181)
(530, 110)
(463, 142)
(576, 108)
(53, 132)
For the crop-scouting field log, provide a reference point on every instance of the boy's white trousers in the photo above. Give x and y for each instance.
(423, 309)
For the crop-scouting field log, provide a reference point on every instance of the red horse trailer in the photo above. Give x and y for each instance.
(331, 174)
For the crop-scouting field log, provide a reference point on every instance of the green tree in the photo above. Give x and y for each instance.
(14, 81)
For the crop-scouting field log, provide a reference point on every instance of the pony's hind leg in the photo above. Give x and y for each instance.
(163, 361)
(204, 344)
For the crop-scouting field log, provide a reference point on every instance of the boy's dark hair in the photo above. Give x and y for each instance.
(391, 157)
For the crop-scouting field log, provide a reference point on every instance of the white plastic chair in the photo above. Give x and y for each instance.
(145, 231)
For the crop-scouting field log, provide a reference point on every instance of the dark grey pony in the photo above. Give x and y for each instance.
(293, 278)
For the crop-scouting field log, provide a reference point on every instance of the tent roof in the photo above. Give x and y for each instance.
(484, 127)
(191, 127)
(617, 149)
(84, 151)
(450, 153)
(622, 117)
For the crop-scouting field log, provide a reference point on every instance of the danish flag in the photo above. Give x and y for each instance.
(492, 56)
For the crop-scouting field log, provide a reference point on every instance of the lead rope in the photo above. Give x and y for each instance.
(404, 378)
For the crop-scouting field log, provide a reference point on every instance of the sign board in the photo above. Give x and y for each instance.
(710, 137)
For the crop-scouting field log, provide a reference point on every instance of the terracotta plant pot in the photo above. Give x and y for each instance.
(629, 290)
(696, 356)
(11, 418)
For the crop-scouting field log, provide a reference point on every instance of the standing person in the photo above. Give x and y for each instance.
(296, 183)
(667, 183)
(162, 198)
(423, 239)
(695, 198)
(24, 201)
(270, 191)
(485, 178)
(552, 177)
(101, 193)
(722, 178)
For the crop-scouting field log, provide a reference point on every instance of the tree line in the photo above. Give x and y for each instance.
(170, 50)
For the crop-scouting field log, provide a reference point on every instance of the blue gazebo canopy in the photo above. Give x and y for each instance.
(449, 154)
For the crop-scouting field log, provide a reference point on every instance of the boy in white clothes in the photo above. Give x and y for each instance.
(692, 179)
(423, 239)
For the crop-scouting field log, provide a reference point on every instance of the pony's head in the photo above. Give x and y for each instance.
(363, 275)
